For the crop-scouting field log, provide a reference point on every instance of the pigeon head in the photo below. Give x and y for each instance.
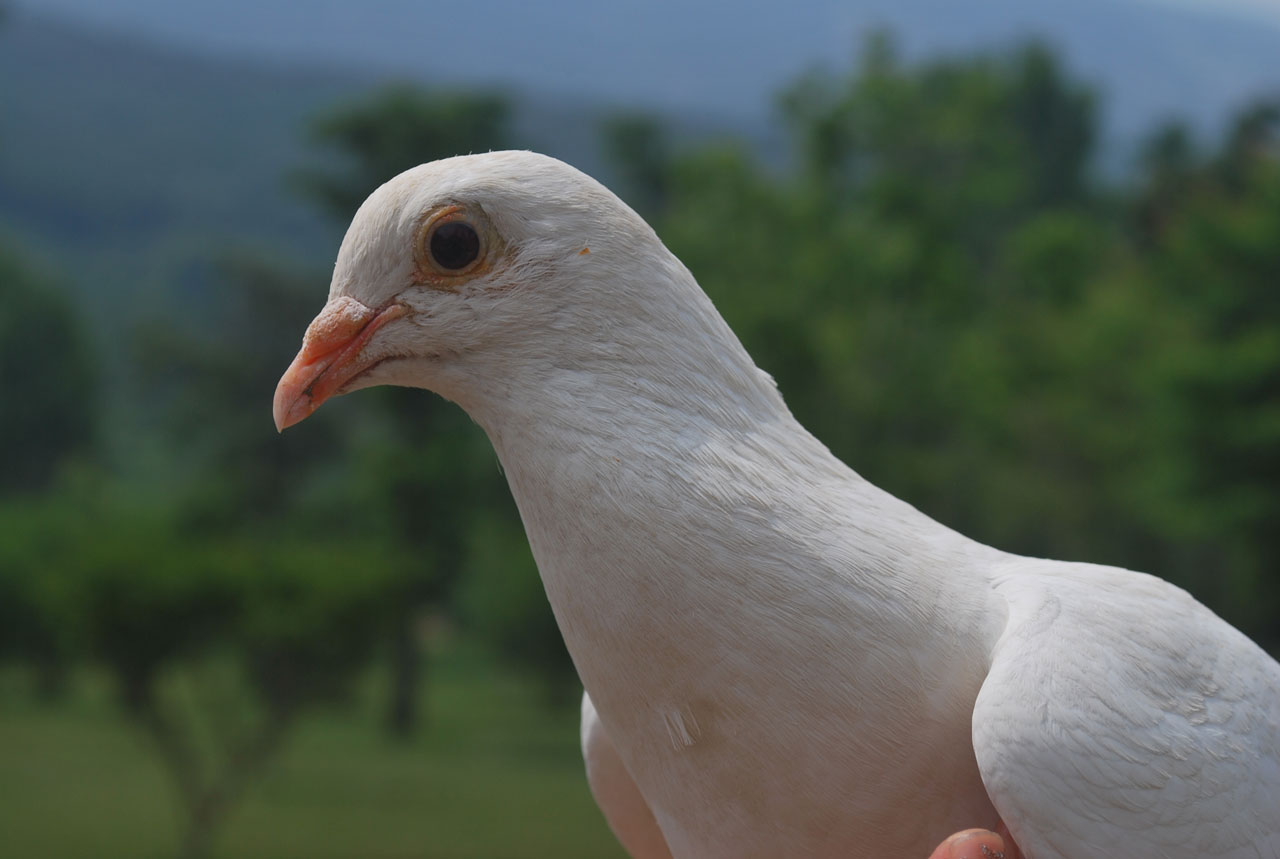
(461, 269)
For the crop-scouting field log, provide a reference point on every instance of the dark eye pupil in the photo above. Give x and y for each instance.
(455, 245)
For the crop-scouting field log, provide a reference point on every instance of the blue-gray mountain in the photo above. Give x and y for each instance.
(1152, 59)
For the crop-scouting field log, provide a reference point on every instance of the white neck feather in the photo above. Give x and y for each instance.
(687, 529)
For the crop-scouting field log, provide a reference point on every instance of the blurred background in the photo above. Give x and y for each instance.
(1016, 261)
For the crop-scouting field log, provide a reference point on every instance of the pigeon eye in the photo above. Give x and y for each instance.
(454, 245)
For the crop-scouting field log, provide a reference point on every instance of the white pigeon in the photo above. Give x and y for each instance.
(781, 659)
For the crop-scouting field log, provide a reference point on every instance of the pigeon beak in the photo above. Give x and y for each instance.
(330, 357)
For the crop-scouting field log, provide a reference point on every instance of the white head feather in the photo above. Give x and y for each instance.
(576, 280)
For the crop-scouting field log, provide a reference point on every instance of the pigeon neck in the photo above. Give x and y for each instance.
(680, 556)
(640, 500)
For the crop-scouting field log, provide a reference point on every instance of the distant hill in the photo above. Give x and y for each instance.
(128, 165)
(711, 58)
(121, 160)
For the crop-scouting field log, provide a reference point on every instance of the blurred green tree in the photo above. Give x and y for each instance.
(1213, 257)
(47, 382)
(637, 148)
(1167, 163)
(398, 127)
(207, 380)
(215, 646)
(501, 600)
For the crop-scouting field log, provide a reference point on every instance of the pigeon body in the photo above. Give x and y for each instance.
(780, 658)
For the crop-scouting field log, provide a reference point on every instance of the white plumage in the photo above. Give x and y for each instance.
(781, 659)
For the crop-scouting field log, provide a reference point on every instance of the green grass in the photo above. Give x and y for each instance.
(493, 774)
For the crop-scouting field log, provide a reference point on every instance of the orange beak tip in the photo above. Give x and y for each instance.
(286, 413)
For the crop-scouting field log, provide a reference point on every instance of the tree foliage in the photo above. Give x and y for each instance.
(394, 129)
(48, 387)
(1212, 263)
(215, 646)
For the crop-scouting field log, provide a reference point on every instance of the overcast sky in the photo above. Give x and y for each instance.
(1269, 9)
(122, 11)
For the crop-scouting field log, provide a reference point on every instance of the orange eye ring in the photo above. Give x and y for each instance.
(453, 244)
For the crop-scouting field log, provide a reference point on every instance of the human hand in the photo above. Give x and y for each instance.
(978, 844)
